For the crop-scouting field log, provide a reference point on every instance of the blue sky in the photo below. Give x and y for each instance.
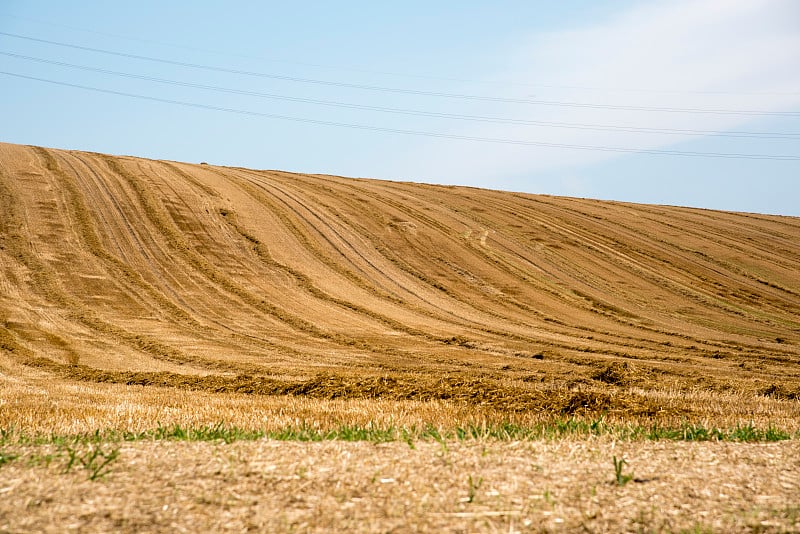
(574, 73)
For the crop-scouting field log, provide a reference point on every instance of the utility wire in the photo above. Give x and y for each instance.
(416, 132)
(412, 91)
(406, 74)
(422, 113)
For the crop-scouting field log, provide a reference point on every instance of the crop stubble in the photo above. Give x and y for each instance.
(228, 281)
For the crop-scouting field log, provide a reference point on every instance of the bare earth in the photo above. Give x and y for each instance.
(362, 487)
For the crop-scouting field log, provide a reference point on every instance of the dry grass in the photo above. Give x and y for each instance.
(42, 405)
(457, 487)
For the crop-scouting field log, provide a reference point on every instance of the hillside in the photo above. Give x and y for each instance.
(204, 278)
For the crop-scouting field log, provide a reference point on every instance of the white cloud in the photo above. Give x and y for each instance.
(679, 54)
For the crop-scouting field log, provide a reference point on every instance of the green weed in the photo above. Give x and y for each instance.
(94, 460)
(621, 478)
(7, 457)
(474, 486)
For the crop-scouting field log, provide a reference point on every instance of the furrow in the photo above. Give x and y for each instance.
(158, 216)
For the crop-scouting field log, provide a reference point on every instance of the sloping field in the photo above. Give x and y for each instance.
(221, 280)
(491, 352)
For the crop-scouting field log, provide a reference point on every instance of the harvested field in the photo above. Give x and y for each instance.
(137, 293)
(130, 271)
(364, 487)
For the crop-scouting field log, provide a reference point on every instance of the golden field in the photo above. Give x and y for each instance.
(219, 280)
(136, 294)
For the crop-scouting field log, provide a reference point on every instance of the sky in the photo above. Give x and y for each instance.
(686, 102)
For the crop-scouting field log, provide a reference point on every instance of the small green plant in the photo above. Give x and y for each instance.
(598, 426)
(95, 460)
(46, 459)
(432, 432)
(407, 438)
(699, 529)
(620, 477)
(7, 457)
(6, 434)
(474, 486)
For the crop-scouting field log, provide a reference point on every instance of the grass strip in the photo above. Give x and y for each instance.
(557, 429)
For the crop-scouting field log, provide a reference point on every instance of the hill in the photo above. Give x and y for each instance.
(122, 270)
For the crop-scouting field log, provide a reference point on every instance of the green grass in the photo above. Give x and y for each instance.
(557, 429)
(95, 452)
(7, 457)
(95, 460)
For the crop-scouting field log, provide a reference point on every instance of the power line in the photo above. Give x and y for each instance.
(419, 133)
(412, 91)
(423, 113)
(406, 75)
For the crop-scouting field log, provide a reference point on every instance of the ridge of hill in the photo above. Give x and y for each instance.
(199, 277)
